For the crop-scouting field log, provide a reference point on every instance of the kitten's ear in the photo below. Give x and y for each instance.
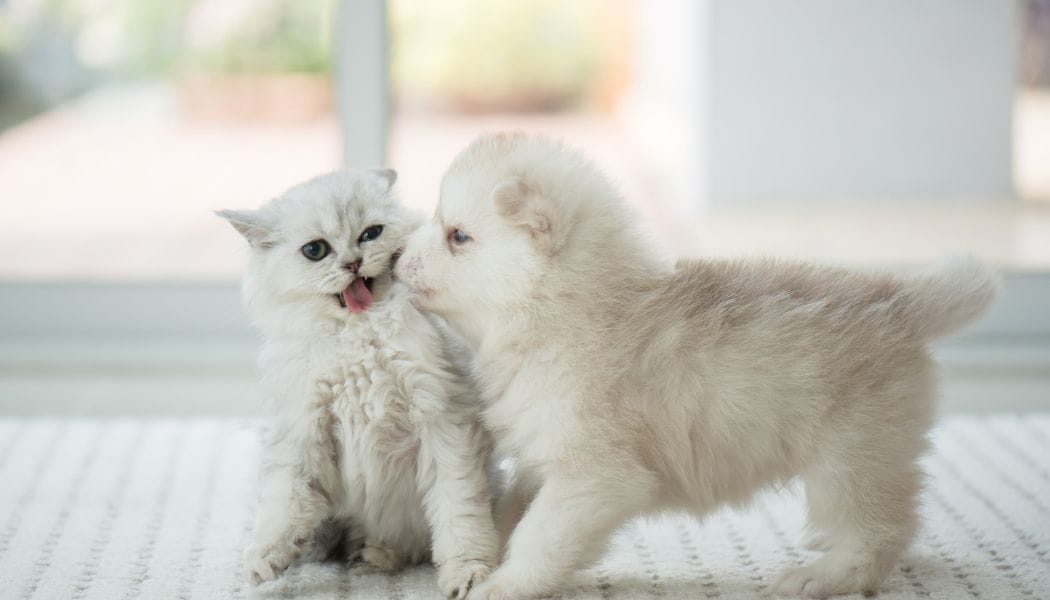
(515, 201)
(387, 175)
(251, 224)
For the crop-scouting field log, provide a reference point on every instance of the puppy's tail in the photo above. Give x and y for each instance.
(950, 295)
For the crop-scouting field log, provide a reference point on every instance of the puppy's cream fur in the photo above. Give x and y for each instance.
(622, 385)
(373, 431)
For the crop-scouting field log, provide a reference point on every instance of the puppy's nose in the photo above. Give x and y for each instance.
(352, 266)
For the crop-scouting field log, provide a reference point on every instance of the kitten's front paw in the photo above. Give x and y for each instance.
(265, 564)
(456, 578)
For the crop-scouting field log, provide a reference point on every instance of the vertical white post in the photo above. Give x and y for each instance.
(666, 107)
(361, 80)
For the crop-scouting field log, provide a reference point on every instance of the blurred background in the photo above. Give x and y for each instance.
(859, 133)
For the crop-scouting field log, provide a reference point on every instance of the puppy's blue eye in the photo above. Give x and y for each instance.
(370, 234)
(316, 250)
(458, 237)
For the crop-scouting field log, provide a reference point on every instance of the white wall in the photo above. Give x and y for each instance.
(828, 98)
(833, 100)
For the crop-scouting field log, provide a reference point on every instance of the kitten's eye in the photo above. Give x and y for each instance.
(458, 237)
(316, 250)
(370, 234)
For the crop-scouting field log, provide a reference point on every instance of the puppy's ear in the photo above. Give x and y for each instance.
(389, 176)
(251, 224)
(517, 203)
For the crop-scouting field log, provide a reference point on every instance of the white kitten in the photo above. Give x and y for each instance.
(624, 385)
(372, 427)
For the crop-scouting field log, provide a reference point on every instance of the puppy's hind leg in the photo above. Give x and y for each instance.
(871, 528)
(863, 493)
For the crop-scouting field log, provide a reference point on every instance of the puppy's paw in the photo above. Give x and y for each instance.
(488, 592)
(375, 559)
(822, 579)
(266, 563)
(457, 578)
(802, 581)
(492, 589)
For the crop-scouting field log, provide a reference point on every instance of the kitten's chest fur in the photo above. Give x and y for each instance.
(360, 382)
(366, 372)
(357, 364)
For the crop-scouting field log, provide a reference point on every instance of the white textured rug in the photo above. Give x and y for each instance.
(120, 509)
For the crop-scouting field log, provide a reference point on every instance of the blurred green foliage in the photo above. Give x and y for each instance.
(486, 53)
(475, 54)
(290, 36)
(161, 37)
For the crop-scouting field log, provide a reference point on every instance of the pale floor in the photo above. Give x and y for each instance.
(120, 186)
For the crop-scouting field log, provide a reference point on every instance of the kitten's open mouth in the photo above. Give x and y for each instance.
(357, 296)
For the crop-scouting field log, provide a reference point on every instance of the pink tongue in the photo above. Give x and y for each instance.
(357, 297)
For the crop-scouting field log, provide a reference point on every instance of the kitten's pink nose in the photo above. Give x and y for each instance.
(352, 266)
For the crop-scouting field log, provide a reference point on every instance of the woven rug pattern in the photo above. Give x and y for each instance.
(117, 509)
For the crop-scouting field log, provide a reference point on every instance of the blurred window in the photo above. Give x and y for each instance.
(124, 123)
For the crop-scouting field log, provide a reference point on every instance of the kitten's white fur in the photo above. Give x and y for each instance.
(623, 385)
(372, 427)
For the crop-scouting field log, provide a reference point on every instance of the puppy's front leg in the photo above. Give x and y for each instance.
(457, 504)
(566, 527)
(297, 483)
(513, 501)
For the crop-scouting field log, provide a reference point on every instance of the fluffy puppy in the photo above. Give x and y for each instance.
(622, 385)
